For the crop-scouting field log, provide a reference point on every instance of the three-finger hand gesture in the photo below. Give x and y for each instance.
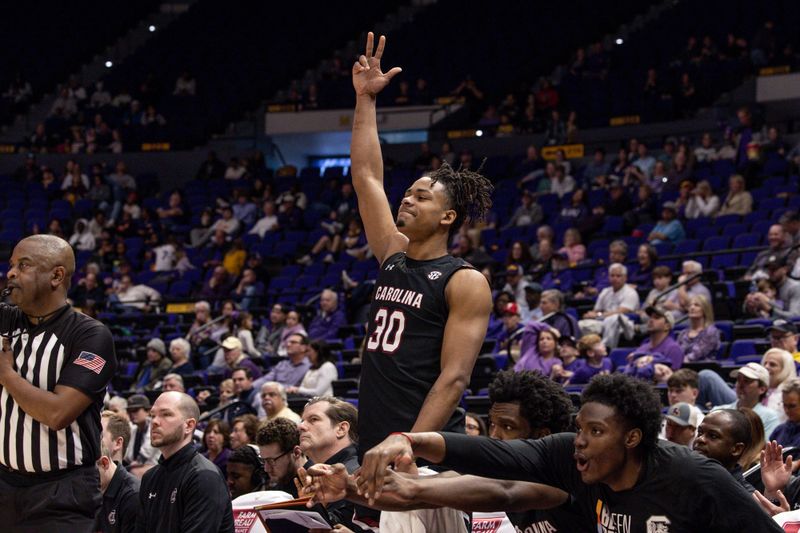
(368, 79)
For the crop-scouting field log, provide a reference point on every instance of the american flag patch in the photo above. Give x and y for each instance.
(92, 361)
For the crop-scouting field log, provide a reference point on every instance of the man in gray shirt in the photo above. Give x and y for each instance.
(787, 302)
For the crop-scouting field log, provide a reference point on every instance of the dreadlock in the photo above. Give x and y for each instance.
(469, 193)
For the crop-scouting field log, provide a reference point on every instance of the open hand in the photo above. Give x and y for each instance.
(368, 79)
(775, 472)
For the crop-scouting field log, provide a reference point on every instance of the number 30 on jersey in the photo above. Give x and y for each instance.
(388, 332)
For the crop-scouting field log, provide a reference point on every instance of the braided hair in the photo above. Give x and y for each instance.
(468, 193)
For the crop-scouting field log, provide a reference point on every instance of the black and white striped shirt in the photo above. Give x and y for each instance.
(68, 349)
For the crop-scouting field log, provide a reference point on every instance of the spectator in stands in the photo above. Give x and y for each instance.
(269, 335)
(290, 214)
(788, 433)
(681, 423)
(790, 221)
(552, 307)
(218, 285)
(279, 444)
(776, 253)
(211, 168)
(496, 318)
(88, 292)
(154, 369)
(556, 131)
(738, 201)
(701, 340)
(669, 229)
(705, 153)
(319, 379)
(185, 85)
(682, 387)
(576, 212)
(328, 435)
(293, 326)
(659, 347)
(509, 338)
(228, 224)
(787, 302)
(234, 258)
(725, 435)
(640, 275)
(543, 233)
(703, 201)
(608, 316)
(152, 119)
(568, 354)
(573, 248)
(515, 284)
(290, 371)
(691, 277)
(141, 455)
(244, 332)
(562, 183)
(528, 213)
(126, 296)
(243, 430)
(325, 325)
(519, 253)
(594, 359)
(202, 317)
(82, 239)
(273, 403)
(235, 358)
(267, 223)
(180, 351)
(752, 383)
(644, 208)
(173, 382)
(244, 392)
(538, 349)
(217, 443)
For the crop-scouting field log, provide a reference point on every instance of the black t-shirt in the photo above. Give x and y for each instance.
(68, 349)
(678, 490)
(402, 359)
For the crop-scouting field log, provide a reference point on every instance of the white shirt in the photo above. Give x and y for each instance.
(610, 300)
(137, 296)
(264, 224)
(319, 381)
(164, 257)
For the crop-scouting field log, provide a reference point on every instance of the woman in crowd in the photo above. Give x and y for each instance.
(496, 317)
(701, 340)
(539, 349)
(641, 275)
(703, 202)
(319, 379)
(217, 443)
(520, 254)
(293, 325)
(751, 456)
(474, 425)
(780, 365)
(245, 335)
(573, 248)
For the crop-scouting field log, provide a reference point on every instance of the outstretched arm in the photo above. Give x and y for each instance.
(470, 300)
(365, 154)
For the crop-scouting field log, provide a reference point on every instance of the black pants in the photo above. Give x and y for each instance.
(67, 504)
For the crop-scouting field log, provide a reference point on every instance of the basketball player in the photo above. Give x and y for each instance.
(430, 312)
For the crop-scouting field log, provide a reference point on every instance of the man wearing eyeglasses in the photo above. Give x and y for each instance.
(279, 444)
(783, 334)
(290, 371)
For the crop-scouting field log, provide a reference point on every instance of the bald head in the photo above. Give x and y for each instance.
(51, 252)
(181, 401)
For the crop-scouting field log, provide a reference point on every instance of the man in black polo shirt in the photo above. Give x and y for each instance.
(185, 492)
(120, 489)
(54, 369)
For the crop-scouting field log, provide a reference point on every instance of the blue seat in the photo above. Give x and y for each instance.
(723, 261)
(619, 356)
(706, 232)
(732, 230)
(686, 247)
(772, 203)
(743, 347)
(746, 240)
(724, 220)
(713, 244)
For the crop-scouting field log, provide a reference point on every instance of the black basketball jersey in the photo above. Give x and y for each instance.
(403, 348)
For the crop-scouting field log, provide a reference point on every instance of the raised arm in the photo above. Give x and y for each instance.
(365, 154)
(470, 301)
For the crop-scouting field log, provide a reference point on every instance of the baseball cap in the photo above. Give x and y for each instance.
(533, 287)
(157, 345)
(776, 261)
(514, 270)
(784, 326)
(231, 343)
(682, 414)
(511, 308)
(568, 339)
(753, 371)
(661, 312)
(138, 401)
(670, 205)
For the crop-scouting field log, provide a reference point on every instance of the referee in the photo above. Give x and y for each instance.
(55, 365)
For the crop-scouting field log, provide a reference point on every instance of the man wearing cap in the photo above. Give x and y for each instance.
(154, 369)
(509, 339)
(784, 335)
(559, 276)
(659, 324)
(141, 455)
(607, 318)
(681, 423)
(234, 358)
(790, 221)
(752, 382)
(515, 284)
(533, 297)
(669, 228)
(725, 435)
(787, 303)
(777, 240)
